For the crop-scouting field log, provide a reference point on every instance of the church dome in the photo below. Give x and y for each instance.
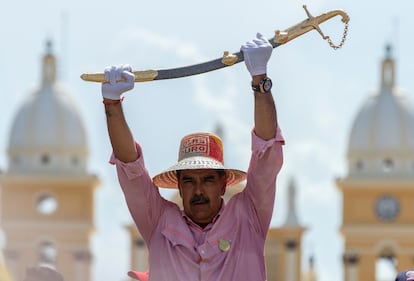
(47, 135)
(381, 143)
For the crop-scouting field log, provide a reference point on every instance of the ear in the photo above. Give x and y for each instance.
(179, 183)
(179, 189)
(223, 187)
(223, 190)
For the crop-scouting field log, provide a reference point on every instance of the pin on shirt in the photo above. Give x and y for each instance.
(224, 245)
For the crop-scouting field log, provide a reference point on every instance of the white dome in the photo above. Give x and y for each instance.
(47, 135)
(382, 137)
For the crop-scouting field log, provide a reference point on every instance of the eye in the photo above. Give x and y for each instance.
(187, 180)
(209, 179)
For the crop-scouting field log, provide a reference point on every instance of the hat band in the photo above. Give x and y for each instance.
(198, 163)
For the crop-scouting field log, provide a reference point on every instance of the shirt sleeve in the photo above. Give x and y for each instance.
(142, 197)
(265, 164)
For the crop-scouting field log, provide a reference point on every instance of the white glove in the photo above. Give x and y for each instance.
(256, 54)
(119, 80)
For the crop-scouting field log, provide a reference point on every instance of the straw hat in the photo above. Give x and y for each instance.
(198, 151)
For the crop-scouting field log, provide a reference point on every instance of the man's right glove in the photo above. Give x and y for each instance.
(119, 80)
(256, 54)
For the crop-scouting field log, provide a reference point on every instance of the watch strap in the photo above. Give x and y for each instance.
(256, 88)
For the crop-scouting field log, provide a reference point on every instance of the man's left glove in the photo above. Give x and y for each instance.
(119, 80)
(256, 54)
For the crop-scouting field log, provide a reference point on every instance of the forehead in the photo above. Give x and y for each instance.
(198, 173)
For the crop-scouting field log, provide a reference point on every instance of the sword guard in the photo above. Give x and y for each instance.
(281, 37)
(229, 59)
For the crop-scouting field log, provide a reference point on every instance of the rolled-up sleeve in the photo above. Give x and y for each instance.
(142, 197)
(130, 170)
(265, 164)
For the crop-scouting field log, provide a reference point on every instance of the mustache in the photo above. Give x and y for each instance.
(199, 199)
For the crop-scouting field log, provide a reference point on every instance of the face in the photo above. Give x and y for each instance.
(201, 191)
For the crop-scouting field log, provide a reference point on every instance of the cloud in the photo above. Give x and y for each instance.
(162, 45)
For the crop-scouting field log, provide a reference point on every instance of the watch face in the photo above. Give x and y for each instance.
(267, 85)
(387, 208)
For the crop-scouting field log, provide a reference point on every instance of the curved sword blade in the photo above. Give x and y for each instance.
(162, 74)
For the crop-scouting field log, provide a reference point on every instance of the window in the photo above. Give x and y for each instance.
(46, 204)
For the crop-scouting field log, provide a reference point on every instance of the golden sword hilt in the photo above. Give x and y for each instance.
(282, 37)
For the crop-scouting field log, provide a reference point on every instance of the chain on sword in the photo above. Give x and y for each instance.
(228, 59)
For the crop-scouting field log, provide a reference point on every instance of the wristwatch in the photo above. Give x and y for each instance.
(265, 85)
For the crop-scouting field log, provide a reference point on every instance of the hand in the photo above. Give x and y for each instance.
(119, 80)
(256, 54)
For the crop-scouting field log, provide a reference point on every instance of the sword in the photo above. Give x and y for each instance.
(229, 59)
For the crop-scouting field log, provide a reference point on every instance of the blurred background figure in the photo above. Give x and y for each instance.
(42, 273)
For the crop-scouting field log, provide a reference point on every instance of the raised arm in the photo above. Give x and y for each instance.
(256, 55)
(119, 80)
(267, 156)
(144, 201)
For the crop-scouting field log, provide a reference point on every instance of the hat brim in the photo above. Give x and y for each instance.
(168, 178)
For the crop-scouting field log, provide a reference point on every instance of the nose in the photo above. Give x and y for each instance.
(198, 188)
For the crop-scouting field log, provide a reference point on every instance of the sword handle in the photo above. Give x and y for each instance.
(140, 76)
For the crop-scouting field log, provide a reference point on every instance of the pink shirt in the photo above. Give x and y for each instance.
(181, 250)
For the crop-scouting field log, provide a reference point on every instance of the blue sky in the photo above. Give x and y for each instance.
(318, 92)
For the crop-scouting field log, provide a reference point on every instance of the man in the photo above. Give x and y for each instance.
(407, 275)
(207, 240)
